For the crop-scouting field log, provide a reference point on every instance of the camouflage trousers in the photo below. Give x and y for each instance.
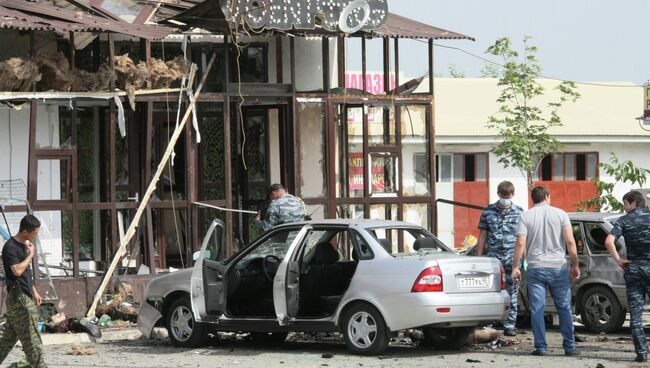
(513, 291)
(637, 282)
(22, 319)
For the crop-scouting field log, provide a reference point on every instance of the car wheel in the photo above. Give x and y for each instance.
(269, 337)
(446, 338)
(364, 330)
(600, 310)
(183, 331)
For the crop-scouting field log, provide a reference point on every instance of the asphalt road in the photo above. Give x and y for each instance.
(612, 350)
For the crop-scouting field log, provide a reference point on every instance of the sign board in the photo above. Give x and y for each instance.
(374, 81)
(356, 177)
(334, 15)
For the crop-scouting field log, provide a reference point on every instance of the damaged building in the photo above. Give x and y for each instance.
(91, 92)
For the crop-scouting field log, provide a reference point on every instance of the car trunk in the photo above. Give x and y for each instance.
(469, 274)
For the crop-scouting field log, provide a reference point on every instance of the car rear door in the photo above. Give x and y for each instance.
(207, 282)
(285, 282)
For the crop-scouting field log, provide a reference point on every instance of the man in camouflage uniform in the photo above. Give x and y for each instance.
(635, 229)
(498, 233)
(283, 208)
(22, 296)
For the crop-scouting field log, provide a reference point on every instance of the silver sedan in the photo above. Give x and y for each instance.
(364, 278)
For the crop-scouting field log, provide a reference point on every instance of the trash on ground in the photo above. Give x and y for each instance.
(77, 349)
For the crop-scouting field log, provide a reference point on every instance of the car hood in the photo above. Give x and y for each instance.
(165, 284)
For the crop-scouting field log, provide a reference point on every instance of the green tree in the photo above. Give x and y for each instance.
(620, 172)
(454, 72)
(523, 126)
(490, 71)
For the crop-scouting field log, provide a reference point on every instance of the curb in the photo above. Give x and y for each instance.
(108, 334)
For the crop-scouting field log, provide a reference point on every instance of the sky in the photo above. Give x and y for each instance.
(580, 40)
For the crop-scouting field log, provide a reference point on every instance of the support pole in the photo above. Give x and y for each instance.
(147, 195)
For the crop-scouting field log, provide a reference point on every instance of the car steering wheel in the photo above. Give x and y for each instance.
(270, 264)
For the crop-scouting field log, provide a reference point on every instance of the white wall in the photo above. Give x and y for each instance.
(497, 173)
(309, 63)
(14, 147)
(638, 153)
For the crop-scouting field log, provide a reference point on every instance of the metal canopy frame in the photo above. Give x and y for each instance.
(227, 97)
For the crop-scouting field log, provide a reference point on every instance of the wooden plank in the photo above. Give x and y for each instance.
(228, 174)
(82, 95)
(147, 195)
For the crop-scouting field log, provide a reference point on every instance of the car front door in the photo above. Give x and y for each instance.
(206, 284)
(285, 283)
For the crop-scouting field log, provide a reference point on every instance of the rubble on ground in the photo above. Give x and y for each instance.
(116, 310)
(77, 349)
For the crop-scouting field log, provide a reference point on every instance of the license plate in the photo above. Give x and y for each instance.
(473, 282)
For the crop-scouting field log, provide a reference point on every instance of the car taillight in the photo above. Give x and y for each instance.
(503, 277)
(430, 279)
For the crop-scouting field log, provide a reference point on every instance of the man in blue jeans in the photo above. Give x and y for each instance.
(545, 236)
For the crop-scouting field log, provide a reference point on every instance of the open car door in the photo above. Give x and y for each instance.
(285, 282)
(207, 283)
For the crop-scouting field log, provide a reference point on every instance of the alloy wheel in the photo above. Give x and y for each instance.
(362, 329)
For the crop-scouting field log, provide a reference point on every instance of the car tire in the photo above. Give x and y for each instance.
(182, 329)
(600, 310)
(269, 337)
(365, 330)
(446, 338)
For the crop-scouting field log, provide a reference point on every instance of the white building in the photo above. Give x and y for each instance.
(602, 121)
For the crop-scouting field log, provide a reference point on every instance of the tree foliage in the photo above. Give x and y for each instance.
(620, 172)
(522, 125)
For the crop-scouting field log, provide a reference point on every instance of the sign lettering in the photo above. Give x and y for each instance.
(302, 14)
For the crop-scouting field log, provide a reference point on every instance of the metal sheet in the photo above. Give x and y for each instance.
(64, 20)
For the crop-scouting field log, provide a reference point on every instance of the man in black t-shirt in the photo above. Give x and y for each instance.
(22, 297)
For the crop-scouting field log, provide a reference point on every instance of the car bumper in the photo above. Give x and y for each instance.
(410, 310)
(148, 316)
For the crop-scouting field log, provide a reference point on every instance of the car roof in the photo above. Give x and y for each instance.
(594, 216)
(365, 223)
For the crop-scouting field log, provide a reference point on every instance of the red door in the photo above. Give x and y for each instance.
(470, 186)
(568, 194)
(466, 219)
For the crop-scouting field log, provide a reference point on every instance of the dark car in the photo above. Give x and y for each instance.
(599, 295)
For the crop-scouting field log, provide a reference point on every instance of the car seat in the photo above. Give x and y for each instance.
(424, 243)
(322, 277)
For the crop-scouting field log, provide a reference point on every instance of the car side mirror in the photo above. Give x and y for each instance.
(196, 255)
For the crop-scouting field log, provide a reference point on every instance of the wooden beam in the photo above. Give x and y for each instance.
(292, 50)
(431, 67)
(228, 174)
(386, 51)
(148, 148)
(74, 192)
(340, 45)
(326, 64)
(279, 60)
(363, 64)
(396, 62)
(147, 195)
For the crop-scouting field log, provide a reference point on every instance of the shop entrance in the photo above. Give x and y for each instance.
(263, 156)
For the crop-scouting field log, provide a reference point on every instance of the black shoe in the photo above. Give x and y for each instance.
(641, 358)
(538, 353)
(510, 332)
(572, 353)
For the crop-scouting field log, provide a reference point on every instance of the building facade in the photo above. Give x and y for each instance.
(274, 108)
(601, 122)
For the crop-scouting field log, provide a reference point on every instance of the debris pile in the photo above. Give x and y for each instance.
(117, 310)
(52, 72)
(18, 74)
(117, 306)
